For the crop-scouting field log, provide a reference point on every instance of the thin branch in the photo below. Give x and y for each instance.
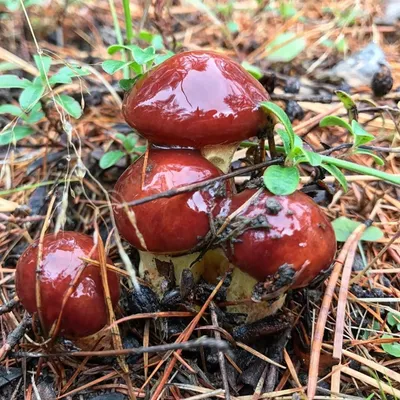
(200, 185)
(219, 345)
(313, 98)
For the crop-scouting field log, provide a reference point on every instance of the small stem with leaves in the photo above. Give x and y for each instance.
(360, 169)
(348, 165)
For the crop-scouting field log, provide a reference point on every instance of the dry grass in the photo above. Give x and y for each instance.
(347, 339)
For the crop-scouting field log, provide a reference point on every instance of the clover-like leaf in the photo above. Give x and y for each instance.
(111, 158)
(281, 180)
(70, 105)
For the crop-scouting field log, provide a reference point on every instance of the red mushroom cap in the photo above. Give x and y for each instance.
(85, 311)
(195, 99)
(282, 229)
(172, 225)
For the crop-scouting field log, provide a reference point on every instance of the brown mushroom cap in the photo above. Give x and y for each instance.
(174, 225)
(281, 230)
(195, 99)
(85, 311)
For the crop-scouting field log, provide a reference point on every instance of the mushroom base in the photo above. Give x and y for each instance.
(163, 271)
(241, 291)
(101, 340)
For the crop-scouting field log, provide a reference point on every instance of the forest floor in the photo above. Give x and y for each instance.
(51, 176)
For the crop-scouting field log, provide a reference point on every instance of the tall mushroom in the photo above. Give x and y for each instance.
(197, 99)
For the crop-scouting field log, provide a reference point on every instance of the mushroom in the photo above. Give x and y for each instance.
(280, 241)
(197, 99)
(45, 275)
(167, 226)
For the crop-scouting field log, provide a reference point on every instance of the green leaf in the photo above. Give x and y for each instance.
(13, 81)
(43, 64)
(280, 52)
(112, 66)
(253, 70)
(335, 171)
(285, 139)
(361, 136)
(117, 47)
(129, 142)
(232, 26)
(143, 56)
(346, 99)
(111, 158)
(65, 74)
(70, 105)
(393, 319)
(31, 95)
(136, 68)
(127, 84)
(282, 117)
(162, 57)
(11, 109)
(35, 115)
(15, 134)
(281, 180)
(376, 158)
(154, 39)
(344, 227)
(391, 348)
(341, 45)
(312, 158)
(332, 120)
(287, 9)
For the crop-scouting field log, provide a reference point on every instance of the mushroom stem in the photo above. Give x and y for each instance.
(241, 289)
(220, 155)
(160, 270)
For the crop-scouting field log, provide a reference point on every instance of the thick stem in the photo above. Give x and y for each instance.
(240, 289)
(157, 269)
(220, 155)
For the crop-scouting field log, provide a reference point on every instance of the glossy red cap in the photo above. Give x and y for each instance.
(195, 99)
(85, 311)
(172, 225)
(296, 231)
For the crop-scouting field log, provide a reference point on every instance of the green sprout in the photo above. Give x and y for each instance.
(29, 111)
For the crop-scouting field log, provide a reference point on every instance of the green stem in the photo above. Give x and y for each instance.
(118, 34)
(350, 166)
(360, 169)
(128, 28)
(128, 21)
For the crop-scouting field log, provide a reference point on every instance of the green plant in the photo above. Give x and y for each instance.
(282, 180)
(140, 61)
(131, 150)
(29, 111)
(344, 227)
(14, 5)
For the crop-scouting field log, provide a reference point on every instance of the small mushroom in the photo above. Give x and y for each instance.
(277, 243)
(50, 278)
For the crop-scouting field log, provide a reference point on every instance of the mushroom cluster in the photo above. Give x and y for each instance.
(194, 109)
